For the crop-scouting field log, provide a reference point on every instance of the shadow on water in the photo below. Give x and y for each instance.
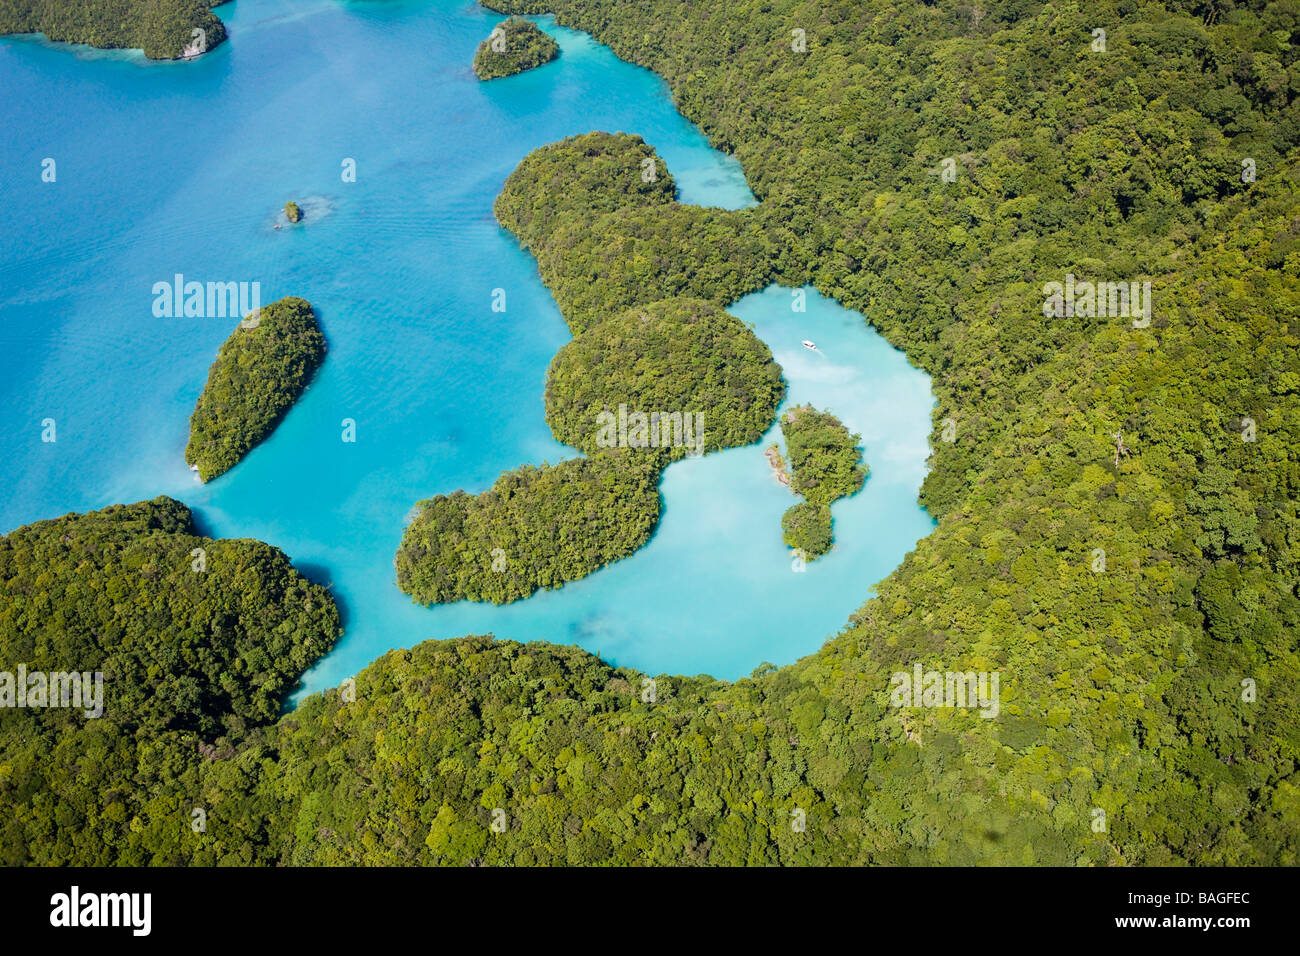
(320, 574)
(202, 527)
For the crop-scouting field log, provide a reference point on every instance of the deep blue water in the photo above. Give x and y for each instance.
(184, 168)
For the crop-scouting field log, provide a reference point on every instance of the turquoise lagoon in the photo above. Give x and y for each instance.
(184, 168)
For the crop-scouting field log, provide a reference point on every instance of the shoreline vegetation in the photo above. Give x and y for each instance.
(162, 29)
(259, 372)
(774, 459)
(825, 465)
(514, 46)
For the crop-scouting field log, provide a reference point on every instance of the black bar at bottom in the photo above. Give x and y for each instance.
(330, 906)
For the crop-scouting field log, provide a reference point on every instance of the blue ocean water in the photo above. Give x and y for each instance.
(184, 168)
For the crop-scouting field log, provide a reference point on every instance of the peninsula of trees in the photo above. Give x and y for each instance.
(260, 371)
(599, 212)
(163, 29)
(514, 46)
(826, 464)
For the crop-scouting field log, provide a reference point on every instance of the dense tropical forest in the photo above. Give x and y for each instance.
(260, 371)
(825, 464)
(1117, 499)
(161, 28)
(198, 641)
(514, 46)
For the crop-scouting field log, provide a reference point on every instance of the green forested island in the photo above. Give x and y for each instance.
(677, 358)
(825, 460)
(197, 641)
(163, 29)
(259, 373)
(535, 528)
(514, 46)
(825, 465)
(933, 166)
(701, 380)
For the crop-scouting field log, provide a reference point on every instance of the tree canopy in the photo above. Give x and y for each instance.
(198, 641)
(514, 46)
(258, 374)
(161, 28)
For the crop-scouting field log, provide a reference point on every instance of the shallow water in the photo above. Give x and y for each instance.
(185, 168)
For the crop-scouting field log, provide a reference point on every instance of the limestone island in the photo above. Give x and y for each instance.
(825, 465)
(292, 212)
(513, 47)
(259, 373)
(163, 29)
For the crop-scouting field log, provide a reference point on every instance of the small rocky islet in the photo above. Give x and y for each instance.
(513, 47)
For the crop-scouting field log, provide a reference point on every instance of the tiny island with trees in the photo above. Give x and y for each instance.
(260, 371)
(825, 465)
(514, 46)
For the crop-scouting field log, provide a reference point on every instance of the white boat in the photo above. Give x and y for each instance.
(810, 345)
